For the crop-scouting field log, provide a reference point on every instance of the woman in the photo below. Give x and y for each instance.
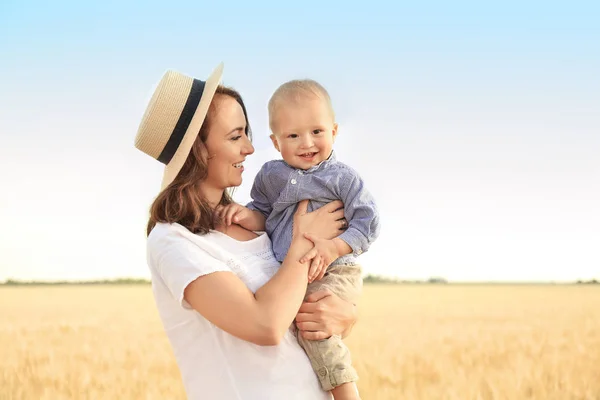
(226, 304)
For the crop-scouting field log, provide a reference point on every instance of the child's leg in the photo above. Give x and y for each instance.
(346, 391)
(330, 358)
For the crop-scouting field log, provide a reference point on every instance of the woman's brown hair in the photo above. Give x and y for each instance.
(181, 201)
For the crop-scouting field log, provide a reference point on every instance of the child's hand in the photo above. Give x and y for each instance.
(243, 216)
(233, 213)
(322, 255)
(317, 269)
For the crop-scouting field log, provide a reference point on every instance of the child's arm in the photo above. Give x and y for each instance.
(253, 216)
(362, 214)
(260, 206)
(363, 227)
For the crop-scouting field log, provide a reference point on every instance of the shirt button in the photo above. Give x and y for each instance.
(293, 181)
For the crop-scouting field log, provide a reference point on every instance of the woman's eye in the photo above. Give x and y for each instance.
(236, 137)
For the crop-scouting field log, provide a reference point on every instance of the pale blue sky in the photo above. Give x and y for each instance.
(476, 126)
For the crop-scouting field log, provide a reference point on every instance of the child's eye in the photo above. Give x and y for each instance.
(293, 136)
(317, 131)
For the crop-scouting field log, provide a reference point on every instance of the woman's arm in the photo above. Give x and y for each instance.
(264, 317)
(324, 314)
(261, 318)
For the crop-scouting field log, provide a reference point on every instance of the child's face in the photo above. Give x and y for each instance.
(304, 132)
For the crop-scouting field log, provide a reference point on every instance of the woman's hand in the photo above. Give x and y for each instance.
(324, 314)
(326, 222)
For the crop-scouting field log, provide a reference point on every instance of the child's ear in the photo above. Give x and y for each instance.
(275, 142)
(334, 132)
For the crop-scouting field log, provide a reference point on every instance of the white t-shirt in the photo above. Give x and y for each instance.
(215, 364)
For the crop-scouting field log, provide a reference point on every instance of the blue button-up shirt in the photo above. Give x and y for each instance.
(278, 188)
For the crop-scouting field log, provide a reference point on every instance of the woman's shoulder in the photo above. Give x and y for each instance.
(166, 235)
(163, 230)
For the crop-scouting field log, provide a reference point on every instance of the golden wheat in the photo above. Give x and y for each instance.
(411, 342)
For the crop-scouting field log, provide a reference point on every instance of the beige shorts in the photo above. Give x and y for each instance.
(330, 358)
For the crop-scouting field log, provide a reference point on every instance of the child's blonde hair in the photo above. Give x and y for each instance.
(295, 90)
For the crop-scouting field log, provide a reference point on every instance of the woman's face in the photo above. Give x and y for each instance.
(227, 144)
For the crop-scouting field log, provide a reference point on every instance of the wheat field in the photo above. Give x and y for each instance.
(411, 342)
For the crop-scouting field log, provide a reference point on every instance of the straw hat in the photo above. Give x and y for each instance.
(173, 119)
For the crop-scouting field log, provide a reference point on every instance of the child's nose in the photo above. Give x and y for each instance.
(307, 141)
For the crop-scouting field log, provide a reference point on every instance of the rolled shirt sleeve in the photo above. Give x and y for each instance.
(362, 214)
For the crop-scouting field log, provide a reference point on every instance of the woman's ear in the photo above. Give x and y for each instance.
(204, 153)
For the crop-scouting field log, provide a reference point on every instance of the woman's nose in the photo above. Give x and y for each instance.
(248, 148)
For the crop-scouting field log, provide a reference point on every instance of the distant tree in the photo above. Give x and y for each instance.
(370, 278)
(437, 279)
(590, 282)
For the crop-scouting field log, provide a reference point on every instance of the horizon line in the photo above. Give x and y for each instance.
(368, 279)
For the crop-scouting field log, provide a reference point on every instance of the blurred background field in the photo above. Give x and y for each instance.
(416, 341)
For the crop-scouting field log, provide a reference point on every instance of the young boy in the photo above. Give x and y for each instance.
(303, 128)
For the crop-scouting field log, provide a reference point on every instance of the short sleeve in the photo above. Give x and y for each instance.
(179, 261)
